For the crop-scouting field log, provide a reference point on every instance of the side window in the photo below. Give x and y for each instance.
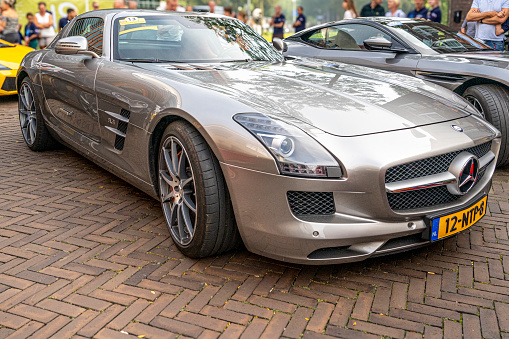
(92, 29)
(316, 38)
(352, 36)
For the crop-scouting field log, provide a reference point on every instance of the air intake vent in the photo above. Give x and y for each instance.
(311, 203)
(122, 127)
(119, 142)
(9, 84)
(125, 113)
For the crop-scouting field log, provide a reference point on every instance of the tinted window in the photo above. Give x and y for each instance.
(316, 38)
(432, 35)
(166, 38)
(92, 29)
(352, 36)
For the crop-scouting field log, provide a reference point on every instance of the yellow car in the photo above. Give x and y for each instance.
(10, 58)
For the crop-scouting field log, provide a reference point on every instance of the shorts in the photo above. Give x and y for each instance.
(45, 41)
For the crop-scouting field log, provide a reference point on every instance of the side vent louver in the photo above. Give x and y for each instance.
(122, 127)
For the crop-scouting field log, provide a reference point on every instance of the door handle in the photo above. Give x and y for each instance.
(66, 112)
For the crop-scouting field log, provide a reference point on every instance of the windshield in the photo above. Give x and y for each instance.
(435, 36)
(168, 38)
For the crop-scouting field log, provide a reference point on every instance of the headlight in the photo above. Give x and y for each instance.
(4, 68)
(296, 153)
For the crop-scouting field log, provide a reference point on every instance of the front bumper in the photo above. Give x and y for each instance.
(363, 224)
(8, 82)
(269, 228)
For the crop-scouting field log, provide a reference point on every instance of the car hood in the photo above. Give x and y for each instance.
(343, 100)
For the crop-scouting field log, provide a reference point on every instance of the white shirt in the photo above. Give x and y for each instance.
(349, 15)
(398, 14)
(44, 19)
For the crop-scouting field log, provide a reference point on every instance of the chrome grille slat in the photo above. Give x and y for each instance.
(433, 196)
(433, 165)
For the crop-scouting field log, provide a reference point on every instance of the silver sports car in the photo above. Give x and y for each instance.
(301, 161)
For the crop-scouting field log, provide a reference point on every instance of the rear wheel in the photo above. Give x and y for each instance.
(493, 103)
(33, 128)
(193, 194)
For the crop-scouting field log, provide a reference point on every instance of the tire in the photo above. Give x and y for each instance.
(493, 103)
(33, 128)
(196, 182)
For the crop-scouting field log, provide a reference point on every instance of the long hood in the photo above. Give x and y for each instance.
(343, 100)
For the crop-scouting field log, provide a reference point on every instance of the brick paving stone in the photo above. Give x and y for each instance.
(471, 327)
(84, 254)
(176, 326)
(87, 302)
(276, 326)
(489, 324)
(100, 321)
(60, 307)
(362, 306)
(227, 315)
(254, 329)
(34, 313)
(129, 314)
(320, 317)
(298, 322)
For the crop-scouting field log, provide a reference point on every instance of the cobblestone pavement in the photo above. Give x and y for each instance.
(84, 254)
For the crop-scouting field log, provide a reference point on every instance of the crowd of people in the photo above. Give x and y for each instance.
(487, 19)
(375, 8)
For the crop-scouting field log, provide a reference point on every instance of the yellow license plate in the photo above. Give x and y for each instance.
(456, 222)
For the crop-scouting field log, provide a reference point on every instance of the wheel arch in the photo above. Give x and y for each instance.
(478, 81)
(22, 74)
(157, 134)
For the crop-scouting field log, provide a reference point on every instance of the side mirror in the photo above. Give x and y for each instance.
(279, 45)
(377, 43)
(382, 44)
(73, 45)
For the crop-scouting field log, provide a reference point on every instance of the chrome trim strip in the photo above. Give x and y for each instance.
(117, 116)
(116, 131)
(429, 181)
(486, 159)
(420, 183)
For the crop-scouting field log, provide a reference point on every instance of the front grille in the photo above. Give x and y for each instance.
(424, 198)
(430, 166)
(9, 84)
(311, 203)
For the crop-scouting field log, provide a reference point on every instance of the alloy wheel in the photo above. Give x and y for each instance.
(27, 114)
(177, 190)
(473, 100)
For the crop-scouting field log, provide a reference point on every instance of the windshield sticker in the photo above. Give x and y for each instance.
(394, 23)
(132, 20)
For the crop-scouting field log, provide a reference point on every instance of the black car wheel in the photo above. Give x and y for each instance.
(33, 128)
(493, 103)
(193, 194)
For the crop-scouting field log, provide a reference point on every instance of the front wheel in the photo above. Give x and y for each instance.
(193, 194)
(492, 101)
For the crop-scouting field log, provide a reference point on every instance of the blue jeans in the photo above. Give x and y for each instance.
(496, 45)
